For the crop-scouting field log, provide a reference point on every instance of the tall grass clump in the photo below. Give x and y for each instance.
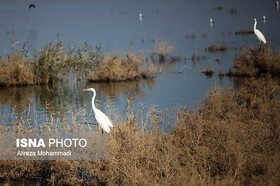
(115, 68)
(50, 63)
(84, 58)
(162, 49)
(15, 71)
(256, 61)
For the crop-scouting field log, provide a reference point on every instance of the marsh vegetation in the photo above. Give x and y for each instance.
(232, 138)
(255, 62)
(216, 48)
(49, 65)
(15, 71)
(162, 49)
(54, 63)
(244, 32)
(115, 68)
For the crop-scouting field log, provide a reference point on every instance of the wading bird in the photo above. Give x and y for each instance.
(100, 117)
(211, 23)
(258, 33)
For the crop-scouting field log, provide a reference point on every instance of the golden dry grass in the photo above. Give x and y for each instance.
(162, 49)
(115, 68)
(255, 61)
(15, 71)
(232, 138)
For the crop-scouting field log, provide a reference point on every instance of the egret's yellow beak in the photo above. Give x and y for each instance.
(85, 89)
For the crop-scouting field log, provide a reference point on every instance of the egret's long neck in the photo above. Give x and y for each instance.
(255, 25)
(93, 98)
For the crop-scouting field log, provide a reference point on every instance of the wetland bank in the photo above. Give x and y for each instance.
(172, 125)
(232, 138)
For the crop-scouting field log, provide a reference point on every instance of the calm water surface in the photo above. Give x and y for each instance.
(116, 25)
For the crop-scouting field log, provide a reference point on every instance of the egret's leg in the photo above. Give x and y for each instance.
(260, 45)
(100, 130)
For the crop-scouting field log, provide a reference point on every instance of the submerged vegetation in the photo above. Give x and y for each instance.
(255, 61)
(244, 32)
(208, 72)
(216, 48)
(233, 11)
(231, 139)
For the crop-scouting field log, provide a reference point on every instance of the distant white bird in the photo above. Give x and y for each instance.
(100, 117)
(263, 18)
(277, 3)
(258, 33)
(211, 20)
(141, 17)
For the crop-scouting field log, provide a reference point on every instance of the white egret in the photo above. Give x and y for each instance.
(263, 17)
(211, 23)
(277, 3)
(258, 33)
(100, 117)
(141, 17)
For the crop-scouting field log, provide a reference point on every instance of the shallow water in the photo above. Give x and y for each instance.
(116, 25)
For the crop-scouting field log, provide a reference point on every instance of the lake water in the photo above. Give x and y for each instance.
(116, 25)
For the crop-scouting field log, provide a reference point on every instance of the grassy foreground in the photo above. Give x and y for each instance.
(232, 138)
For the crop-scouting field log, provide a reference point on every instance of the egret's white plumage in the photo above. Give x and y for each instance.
(277, 3)
(100, 117)
(211, 20)
(258, 33)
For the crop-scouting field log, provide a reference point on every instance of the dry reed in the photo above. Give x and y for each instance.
(256, 61)
(162, 49)
(15, 71)
(115, 68)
